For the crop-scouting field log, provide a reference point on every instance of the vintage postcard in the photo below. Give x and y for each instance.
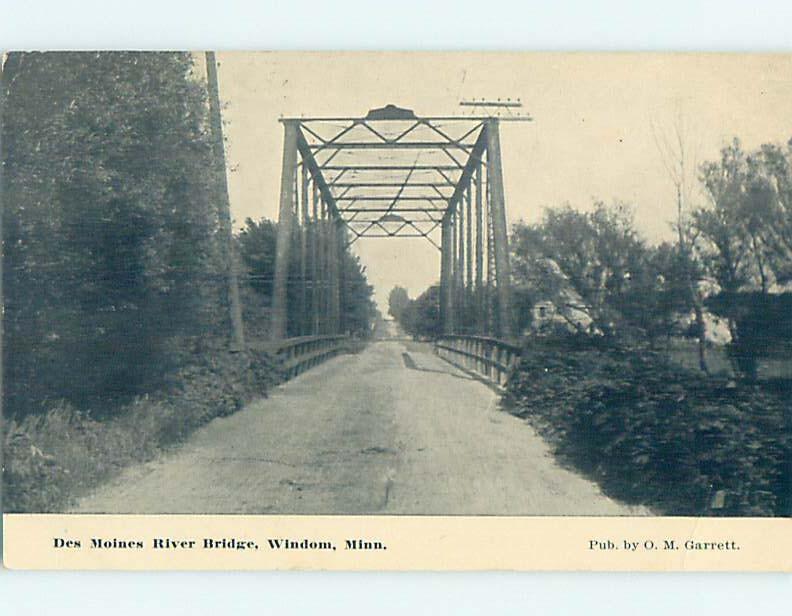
(383, 311)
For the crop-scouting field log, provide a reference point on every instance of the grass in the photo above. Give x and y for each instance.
(685, 353)
(54, 457)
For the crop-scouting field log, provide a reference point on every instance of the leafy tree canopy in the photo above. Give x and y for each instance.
(398, 300)
(109, 224)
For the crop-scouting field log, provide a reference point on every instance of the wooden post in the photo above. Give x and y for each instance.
(285, 221)
(5, 78)
(223, 205)
(500, 230)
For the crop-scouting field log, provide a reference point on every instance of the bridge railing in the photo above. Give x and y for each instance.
(490, 358)
(296, 355)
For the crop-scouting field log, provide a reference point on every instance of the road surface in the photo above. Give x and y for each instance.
(387, 431)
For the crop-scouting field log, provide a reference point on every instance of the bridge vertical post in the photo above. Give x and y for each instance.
(321, 311)
(446, 274)
(279, 316)
(499, 227)
(468, 306)
(305, 323)
(489, 303)
(315, 259)
(454, 269)
(341, 247)
(460, 274)
(479, 253)
(334, 309)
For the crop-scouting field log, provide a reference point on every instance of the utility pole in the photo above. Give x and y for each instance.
(280, 294)
(223, 206)
(4, 81)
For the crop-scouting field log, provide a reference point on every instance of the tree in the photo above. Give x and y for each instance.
(747, 230)
(748, 224)
(599, 255)
(729, 257)
(680, 265)
(358, 310)
(776, 166)
(256, 254)
(110, 235)
(421, 318)
(398, 300)
(257, 249)
(257, 242)
(763, 324)
(676, 292)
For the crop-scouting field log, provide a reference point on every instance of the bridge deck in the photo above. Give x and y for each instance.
(378, 432)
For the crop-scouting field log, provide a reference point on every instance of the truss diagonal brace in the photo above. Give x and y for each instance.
(316, 173)
(467, 172)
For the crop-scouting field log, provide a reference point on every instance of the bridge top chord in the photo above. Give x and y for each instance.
(388, 161)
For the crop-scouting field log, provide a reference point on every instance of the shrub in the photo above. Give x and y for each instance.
(55, 456)
(654, 433)
(762, 324)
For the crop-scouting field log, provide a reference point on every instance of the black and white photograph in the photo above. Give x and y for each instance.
(425, 284)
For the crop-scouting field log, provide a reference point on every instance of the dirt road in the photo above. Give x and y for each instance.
(386, 431)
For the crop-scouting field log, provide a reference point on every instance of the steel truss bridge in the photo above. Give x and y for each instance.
(393, 174)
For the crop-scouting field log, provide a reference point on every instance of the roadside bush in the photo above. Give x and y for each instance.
(651, 432)
(762, 324)
(53, 457)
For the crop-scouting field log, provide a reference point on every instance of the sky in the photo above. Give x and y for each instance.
(598, 119)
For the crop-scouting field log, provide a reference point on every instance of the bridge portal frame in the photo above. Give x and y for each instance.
(327, 204)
